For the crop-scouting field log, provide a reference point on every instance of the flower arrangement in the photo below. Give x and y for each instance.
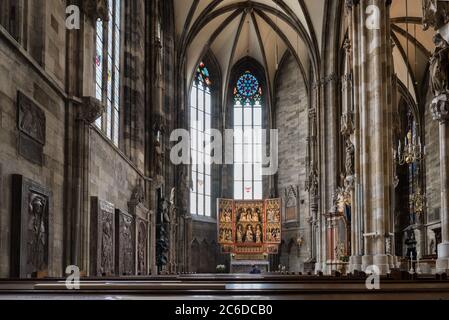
(221, 268)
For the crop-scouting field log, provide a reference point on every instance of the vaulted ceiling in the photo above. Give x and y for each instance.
(266, 29)
(262, 29)
(413, 45)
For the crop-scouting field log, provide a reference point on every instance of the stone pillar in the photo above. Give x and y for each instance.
(436, 15)
(372, 66)
(440, 111)
(312, 186)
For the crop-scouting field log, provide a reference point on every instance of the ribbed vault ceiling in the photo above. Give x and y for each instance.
(266, 29)
(411, 66)
(262, 29)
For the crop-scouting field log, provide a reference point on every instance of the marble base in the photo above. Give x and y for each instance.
(319, 267)
(382, 261)
(355, 264)
(367, 261)
(442, 264)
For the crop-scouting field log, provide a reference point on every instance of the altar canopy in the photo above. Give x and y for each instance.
(249, 228)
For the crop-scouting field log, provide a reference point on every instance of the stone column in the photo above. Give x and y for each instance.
(436, 15)
(312, 186)
(372, 66)
(440, 112)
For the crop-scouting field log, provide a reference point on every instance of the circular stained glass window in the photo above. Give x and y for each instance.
(247, 85)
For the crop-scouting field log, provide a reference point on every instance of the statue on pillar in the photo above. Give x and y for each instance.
(435, 13)
(439, 66)
(138, 194)
(439, 77)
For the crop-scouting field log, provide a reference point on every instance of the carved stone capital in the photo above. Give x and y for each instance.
(96, 9)
(440, 108)
(435, 13)
(91, 109)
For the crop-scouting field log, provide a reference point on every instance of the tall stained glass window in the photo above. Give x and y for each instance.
(107, 70)
(200, 124)
(248, 100)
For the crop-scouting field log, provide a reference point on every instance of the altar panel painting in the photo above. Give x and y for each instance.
(273, 225)
(249, 227)
(250, 222)
(225, 222)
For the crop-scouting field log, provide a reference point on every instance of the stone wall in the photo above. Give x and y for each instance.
(291, 120)
(111, 178)
(205, 253)
(44, 84)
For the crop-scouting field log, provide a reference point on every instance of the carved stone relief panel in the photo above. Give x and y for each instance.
(291, 203)
(30, 232)
(142, 235)
(102, 240)
(31, 124)
(142, 247)
(125, 243)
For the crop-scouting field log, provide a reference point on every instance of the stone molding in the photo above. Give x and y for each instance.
(91, 109)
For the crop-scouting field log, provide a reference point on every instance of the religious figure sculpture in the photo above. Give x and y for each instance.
(249, 235)
(126, 244)
(439, 66)
(239, 237)
(107, 245)
(258, 234)
(255, 216)
(435, 13)
(312, 184)
(141, 248)
(38, 233)
(138, 193)
(349, 164)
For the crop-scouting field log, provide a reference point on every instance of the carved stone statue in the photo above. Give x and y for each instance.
(349, 164)
(107, 250)
(138, 193)
(38, 234)
(388, 245)
(141, 248)
(435, 13)
(312, 183)
(439, 67)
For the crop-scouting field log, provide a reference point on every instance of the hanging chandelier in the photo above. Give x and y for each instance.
(411, 152)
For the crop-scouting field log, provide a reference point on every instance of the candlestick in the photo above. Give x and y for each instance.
(411, 263)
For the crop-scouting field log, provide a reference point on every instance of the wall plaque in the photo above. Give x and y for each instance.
(291, 203)
(31, 124)
(102, 240)
(30, 232)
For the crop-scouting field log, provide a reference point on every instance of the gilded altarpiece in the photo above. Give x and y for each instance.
(249, 228)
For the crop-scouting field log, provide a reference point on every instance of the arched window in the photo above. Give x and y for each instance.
(200, 125)
(248, 101)
(107, 70)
